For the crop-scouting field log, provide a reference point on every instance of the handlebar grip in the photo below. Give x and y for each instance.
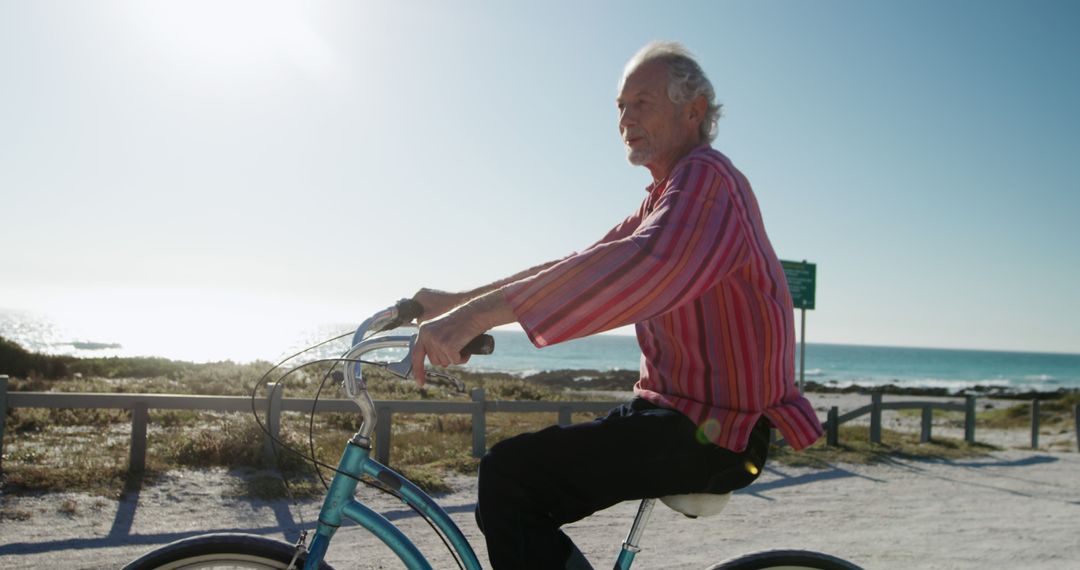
(409, 310)
(483, 344)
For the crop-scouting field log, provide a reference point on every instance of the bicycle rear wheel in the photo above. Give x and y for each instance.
(221, 551)
(786, 560)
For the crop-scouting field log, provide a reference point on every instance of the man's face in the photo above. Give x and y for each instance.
(654, 130)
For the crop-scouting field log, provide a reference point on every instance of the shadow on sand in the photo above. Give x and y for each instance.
(121, 530)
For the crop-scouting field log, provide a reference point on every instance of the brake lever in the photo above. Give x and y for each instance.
(403, 367)
(459, 386)
(403, 370)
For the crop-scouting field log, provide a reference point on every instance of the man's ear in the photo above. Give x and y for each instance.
(696, 109)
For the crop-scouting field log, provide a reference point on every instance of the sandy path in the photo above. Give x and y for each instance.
(1013, 509)
(1016, 508)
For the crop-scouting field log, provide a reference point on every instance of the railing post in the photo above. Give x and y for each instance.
(875, 417)
(1035, 424)
(832, 436)
(565, 415)
(969, 419)
(139, 418)
(479, 445)
(274, 392)
(1076, 418)
(382, 433)
(927, 424)
(3, 415)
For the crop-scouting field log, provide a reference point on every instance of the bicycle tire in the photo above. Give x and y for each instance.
(221, 550)
(786, 560)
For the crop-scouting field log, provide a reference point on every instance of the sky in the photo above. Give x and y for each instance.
(223, 169)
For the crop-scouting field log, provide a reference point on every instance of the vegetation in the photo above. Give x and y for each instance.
(16, 360)
(1055, 415)
(855, 447)
(87, 449)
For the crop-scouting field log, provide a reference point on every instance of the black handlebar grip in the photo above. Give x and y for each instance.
(483, 344)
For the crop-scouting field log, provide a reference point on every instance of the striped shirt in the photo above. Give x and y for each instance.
(694, 271)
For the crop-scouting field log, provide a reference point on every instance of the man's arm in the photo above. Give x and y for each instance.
(454, 319)
(479, 310)
(436, 302)
(442, 339)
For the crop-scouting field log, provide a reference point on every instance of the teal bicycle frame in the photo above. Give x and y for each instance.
(356, 462)
(340, 504)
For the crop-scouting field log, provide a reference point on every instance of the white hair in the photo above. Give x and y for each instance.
(686, 80)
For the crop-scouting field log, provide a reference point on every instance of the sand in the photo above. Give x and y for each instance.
(1015, 508)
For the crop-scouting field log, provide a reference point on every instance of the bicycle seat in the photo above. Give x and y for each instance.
(696, 505)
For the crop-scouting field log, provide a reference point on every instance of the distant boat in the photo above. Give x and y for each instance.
(95, 345)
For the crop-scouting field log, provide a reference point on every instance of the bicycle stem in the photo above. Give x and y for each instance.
(355, 386)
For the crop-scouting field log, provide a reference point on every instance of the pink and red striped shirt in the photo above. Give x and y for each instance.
(694, 271)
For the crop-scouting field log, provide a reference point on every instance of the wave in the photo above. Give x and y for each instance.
(999, 385)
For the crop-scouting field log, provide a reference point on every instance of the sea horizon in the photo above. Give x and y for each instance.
(831, 364)
(37, 332)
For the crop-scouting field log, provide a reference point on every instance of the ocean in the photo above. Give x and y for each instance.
(833, 365)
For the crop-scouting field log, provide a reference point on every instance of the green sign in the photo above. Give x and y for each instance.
(800, 280)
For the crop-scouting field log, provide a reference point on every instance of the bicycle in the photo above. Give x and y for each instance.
(238, 550)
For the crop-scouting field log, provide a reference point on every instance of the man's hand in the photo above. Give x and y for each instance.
(442, 339)
(437, 302)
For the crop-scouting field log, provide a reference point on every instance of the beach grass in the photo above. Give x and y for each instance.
(1055, 415)
(855, 447)
(49, 450)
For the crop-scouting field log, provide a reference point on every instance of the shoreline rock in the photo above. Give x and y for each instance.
(623, 380)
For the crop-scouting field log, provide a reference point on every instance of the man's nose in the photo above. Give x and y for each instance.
(626, 118)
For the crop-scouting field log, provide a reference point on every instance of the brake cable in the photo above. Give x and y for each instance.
(275, 442)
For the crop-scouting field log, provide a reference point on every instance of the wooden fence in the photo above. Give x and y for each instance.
(273, 403)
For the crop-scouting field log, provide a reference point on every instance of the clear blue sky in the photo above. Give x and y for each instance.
(194, 163)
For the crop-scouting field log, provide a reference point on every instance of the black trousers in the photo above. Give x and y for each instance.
(532, 484)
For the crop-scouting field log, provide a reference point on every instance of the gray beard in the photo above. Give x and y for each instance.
(639, 157)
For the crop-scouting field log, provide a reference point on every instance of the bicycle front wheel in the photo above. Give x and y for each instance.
(786, 560)
(222, 551)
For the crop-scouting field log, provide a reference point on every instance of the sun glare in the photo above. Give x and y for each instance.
(190, 323)
(243, 35)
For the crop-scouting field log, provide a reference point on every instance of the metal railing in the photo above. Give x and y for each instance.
(273, 403)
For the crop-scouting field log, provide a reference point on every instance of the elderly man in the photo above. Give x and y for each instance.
(694, 271)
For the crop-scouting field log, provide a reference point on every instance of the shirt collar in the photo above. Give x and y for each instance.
(659, 184)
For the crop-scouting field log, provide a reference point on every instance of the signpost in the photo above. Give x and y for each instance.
(801, 279)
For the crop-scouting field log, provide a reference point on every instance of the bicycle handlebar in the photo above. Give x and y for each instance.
(409, 310)
(368, 339)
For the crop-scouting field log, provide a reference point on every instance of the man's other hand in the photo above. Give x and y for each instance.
(440, 341)
(436, 302)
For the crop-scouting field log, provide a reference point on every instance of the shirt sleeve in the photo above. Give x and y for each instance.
(690, 240)
(622, 229)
